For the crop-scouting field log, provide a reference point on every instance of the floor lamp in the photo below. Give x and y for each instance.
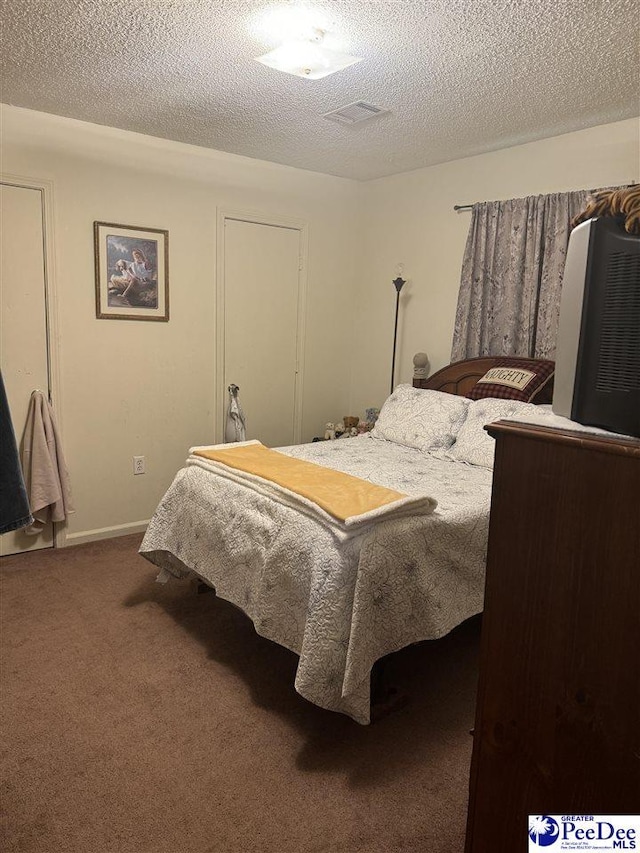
(398, 283)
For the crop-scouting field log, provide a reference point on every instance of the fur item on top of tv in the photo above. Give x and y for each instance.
(624, 204)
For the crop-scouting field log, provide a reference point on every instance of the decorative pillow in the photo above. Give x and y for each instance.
(473, 444)
(514, 379)
(424, 419)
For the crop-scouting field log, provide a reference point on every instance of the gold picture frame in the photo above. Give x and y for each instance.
(132, 272)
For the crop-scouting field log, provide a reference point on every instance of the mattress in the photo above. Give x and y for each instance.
(339, 604)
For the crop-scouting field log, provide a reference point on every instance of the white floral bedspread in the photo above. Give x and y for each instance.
(340, 605)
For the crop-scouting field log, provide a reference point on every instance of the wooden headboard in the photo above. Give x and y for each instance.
(460, 377)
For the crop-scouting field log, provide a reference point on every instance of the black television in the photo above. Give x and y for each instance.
(597, 378)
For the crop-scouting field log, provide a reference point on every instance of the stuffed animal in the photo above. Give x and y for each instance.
(330, 432)
(624, 204)
(372, 415)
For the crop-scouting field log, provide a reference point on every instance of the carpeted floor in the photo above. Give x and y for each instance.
(141, 718)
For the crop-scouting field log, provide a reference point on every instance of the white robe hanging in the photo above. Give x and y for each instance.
(235, 428)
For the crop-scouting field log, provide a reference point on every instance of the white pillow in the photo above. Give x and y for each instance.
(473, 443)
(545, 416)
(425, 420)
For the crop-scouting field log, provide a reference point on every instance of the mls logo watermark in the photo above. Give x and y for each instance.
(583, 832)
(543, 831)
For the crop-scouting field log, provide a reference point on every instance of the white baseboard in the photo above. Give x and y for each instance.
(64, 541)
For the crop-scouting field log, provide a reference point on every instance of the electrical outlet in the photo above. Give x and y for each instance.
(138, 465)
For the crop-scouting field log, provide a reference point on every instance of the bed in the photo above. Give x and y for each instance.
(343, 595)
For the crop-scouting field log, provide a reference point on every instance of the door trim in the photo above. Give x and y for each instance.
(231, 214)
(47, 205)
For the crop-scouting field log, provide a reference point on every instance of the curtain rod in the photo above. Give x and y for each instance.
(470, 206)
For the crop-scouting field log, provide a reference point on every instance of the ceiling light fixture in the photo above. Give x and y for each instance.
(307, 58)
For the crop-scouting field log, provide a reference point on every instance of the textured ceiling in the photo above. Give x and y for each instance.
(460, 76)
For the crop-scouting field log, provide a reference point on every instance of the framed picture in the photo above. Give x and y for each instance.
(132, 272)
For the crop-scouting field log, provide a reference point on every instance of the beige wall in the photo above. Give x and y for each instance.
(139, 388)
(409, 218)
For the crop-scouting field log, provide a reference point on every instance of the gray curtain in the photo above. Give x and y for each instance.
(509, 297)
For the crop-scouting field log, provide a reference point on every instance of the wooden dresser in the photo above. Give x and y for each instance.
(558, 714)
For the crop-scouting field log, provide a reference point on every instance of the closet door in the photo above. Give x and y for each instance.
(23, 326)
(262, 311)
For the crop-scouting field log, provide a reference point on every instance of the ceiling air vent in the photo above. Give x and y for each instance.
(355, 113)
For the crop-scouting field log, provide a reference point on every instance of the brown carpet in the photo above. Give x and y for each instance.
(141, 718)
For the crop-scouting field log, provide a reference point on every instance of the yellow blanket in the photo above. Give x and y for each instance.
(341, 495)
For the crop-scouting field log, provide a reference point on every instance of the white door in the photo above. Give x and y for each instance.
(23, 326)
(262, 318)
